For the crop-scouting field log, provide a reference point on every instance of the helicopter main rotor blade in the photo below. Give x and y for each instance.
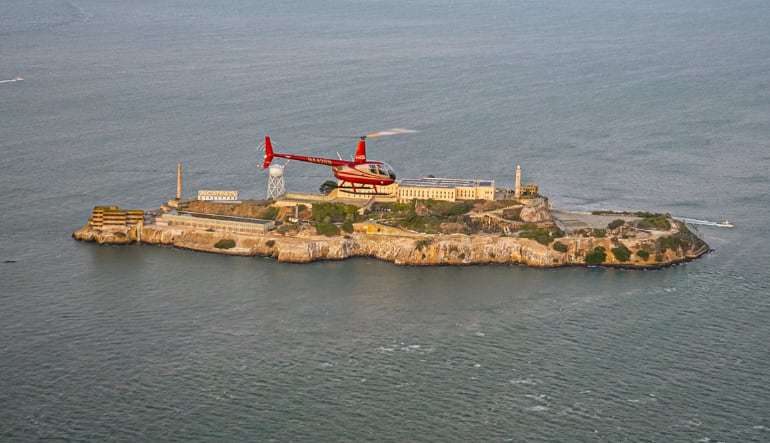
(393, 131)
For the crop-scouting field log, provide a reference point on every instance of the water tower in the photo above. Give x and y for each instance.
(276, 186)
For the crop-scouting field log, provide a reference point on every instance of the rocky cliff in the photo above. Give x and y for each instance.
(420, 249)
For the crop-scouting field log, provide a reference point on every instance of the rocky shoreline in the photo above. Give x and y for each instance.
(640, 251)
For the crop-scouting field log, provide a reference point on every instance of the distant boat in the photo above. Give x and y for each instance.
(725, 224)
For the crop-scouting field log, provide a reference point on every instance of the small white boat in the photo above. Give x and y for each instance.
(18, 78)
(725, 224)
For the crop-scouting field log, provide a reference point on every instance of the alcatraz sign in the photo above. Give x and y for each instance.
(217, 195)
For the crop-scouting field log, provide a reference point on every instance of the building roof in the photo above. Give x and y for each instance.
(449, 183)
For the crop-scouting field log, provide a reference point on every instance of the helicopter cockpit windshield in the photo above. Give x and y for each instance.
(385, 169)
(382, 169)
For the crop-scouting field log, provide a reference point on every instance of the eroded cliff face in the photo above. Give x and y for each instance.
(111, 236)
(411, 249)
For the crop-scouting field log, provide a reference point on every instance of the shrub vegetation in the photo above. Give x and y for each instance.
(336, 212)
(269, 213)
(684, 240)
(225, 243)
(421, 244)
(327, 228)
(616, 223)
(512, 213)
(622, 253)
(596, 256)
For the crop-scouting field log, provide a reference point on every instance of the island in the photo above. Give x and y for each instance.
(509, 228)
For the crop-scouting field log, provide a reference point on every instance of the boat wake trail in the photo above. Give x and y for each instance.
(11, 80)
(695, 221)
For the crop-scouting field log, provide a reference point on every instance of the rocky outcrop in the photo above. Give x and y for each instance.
(535, 212)
(405, 248)
(107, 236)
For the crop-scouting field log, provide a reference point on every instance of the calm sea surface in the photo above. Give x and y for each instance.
(631, 105)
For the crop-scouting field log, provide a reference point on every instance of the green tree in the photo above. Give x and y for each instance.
(327, 187)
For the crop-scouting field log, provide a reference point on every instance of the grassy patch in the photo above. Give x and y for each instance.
(655, 222)
(544, 236)
(448, 209)
(540, 235)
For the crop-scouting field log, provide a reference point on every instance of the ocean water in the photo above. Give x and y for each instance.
(631, 105)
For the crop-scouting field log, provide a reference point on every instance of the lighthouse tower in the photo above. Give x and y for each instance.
(178, 181)
(517, 188)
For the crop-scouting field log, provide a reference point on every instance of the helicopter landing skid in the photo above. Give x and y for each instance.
(360, 191)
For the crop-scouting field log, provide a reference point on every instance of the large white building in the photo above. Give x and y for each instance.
(446, 189)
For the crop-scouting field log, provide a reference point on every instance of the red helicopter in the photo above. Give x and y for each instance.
(367, 173)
